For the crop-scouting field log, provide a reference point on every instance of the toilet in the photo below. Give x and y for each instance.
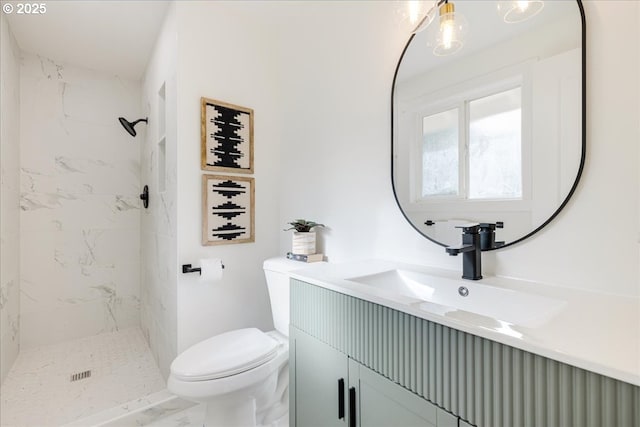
(242, 376)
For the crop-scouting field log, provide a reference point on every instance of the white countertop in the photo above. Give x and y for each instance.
(594, 331)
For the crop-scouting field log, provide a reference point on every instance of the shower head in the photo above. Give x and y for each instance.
(128, 126)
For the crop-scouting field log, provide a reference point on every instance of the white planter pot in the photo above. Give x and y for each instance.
(303, 243)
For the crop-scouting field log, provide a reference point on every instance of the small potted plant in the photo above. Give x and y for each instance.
(304, 240)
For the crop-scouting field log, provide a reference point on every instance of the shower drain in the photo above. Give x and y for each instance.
(80, 376)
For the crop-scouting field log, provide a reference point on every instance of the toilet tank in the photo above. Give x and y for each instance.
(276, 271)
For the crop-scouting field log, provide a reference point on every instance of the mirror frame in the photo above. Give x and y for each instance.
(583, 127)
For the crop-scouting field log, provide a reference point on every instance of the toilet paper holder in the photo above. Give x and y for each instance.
(186, 268)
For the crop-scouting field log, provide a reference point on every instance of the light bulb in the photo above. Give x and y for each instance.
(447, 30)
(448, 36)
(523, 5)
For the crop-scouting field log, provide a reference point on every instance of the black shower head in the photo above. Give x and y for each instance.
(128, 126)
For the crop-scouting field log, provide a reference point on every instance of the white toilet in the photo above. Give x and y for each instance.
(243, 375)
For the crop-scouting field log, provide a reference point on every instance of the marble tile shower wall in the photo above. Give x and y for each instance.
(80, 212)
(158, 288)
(9, 199)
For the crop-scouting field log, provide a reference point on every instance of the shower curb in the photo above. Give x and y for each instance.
(139, 412)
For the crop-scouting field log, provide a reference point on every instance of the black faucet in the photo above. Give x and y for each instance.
(488, 235)
(470, 250)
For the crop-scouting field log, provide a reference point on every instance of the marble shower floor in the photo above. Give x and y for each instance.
(38, 392)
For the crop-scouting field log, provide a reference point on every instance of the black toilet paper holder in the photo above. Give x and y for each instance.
(186, 268)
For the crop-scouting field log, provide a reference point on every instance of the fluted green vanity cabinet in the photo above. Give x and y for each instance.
(315, 372)
(330, 389)
(406, 369)
(383, 403)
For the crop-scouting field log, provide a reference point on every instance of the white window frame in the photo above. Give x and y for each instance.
(458, 96)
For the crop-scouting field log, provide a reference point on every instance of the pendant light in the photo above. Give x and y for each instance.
(448, 36)
(416, 9)
(519, 10)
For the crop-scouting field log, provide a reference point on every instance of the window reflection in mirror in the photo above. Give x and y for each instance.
(495, 142)
(494, 131)
(440, 158)
(481, 162)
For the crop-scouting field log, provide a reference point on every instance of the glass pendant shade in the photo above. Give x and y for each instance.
(416, 10)
(519, 10)
(420, 16)
(412, 12)
(446, 36)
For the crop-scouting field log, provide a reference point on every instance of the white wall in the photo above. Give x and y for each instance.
(9, 198)
(225, 55)
(594, 240)
(80, 217)
(342, 80)
(340, 58)
(158, 286)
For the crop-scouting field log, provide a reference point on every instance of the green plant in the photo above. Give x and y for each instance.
(302, 226)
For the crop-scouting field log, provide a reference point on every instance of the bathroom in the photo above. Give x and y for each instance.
(318, 76)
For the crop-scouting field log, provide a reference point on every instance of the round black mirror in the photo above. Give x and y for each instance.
(493, 133)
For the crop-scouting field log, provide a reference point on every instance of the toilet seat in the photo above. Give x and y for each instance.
(226, 388)
(225, 355)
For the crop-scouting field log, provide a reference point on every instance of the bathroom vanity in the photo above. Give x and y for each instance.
(358, 395)
(384, 344)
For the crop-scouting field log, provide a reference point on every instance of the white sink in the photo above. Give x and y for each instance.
(582, 328)
(442, 295)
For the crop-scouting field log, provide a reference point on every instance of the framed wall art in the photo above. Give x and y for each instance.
(227, 210)
(226, 137)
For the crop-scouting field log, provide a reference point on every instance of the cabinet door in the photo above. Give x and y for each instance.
(445, 419)
(317, 396)
(383, 403)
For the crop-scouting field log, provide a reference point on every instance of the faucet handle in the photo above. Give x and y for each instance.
(488, 235)
(489, 226)
(469, 228)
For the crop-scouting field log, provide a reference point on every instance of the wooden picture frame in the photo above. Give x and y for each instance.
(228, 213)
(226, 137)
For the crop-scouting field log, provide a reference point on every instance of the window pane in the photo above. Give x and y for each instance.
(440, 154)
(495, 162)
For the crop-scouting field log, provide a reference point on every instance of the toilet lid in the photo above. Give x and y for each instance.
(224, 355)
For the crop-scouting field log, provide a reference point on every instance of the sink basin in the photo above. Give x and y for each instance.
(506, 305)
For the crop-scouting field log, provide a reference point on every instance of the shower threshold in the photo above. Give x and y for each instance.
(140, 412)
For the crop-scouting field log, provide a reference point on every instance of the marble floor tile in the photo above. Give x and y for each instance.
(191, 417)
(140, 412)
(194, 417)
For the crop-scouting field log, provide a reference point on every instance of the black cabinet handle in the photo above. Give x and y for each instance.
(341, 398)
(352, 407)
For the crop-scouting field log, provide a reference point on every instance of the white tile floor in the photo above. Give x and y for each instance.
(143, 411)
(191, 417)
(38, 392)
(194, 417)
